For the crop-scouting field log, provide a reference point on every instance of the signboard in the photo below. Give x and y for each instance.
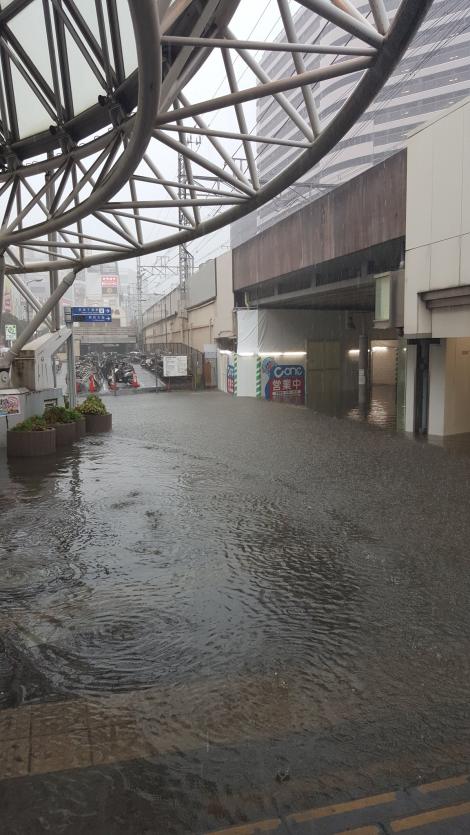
(175, 366)
(9, 404)
(10, 332)
(284, 382)
(91, 314)
(109, 285)
(210, 352)
(111, 268)
(230, 379)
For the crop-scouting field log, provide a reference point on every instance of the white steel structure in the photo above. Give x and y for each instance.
(434, 74)
(100, 99)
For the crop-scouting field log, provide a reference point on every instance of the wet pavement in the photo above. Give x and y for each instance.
(226, 611)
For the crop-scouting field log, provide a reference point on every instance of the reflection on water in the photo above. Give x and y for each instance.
(379, 410)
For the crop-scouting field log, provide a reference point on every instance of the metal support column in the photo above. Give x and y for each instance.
(140, 323)
(364, 370)
(52, 238)
(71, 377)
(2, 285)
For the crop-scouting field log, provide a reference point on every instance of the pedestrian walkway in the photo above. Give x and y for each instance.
(438, 808)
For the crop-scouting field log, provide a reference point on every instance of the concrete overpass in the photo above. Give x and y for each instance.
(108, 337)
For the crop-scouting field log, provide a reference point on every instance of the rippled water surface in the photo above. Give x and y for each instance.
(291, 591)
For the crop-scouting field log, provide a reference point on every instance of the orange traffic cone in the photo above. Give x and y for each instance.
(135, 383)
(92, 386)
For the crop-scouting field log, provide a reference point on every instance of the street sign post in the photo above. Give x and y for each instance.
(91, 314)
(10, 333)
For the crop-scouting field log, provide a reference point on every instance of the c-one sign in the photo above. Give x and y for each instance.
(283, 382)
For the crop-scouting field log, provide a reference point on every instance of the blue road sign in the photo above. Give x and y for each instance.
(91, 314)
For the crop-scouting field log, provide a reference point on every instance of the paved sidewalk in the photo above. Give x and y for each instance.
(438, 808)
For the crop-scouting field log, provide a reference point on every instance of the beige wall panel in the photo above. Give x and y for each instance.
(447, 176)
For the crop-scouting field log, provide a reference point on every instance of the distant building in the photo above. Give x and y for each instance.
(434, 74)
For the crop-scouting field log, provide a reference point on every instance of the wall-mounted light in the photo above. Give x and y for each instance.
(282, 354)
(377, 349)
(246, 354)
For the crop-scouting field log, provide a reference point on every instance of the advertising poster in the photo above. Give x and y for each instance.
(9, 405)
(230, 379)
(109, 285)
(283, 381)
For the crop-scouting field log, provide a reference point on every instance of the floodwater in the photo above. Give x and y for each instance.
(268, 609)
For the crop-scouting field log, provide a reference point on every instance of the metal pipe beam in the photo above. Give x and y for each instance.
(268, 46)
(248, 137)
(28, 296)
(279, 86)
(380, 15)
(147, 33)
(299, 65)
(345, 21)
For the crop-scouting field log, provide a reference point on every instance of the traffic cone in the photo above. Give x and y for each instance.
(92, 386)
(135, 383)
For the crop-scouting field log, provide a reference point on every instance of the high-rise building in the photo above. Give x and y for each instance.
(433, 74)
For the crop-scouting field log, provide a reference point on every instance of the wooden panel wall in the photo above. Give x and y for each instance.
(366, 211)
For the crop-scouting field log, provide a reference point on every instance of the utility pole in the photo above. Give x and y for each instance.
(186, 260)
(140, 318)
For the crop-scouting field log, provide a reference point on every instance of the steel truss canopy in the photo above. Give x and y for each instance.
(129, 126)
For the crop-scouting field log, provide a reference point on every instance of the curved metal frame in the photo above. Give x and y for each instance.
(147, 33)
(378, 54)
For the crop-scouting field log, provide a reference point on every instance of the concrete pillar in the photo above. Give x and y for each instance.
(411, 353)
(364, 365)
(437, 388)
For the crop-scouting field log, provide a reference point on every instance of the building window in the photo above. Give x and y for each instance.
(382, 298)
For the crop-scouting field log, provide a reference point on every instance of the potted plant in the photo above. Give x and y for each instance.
(80, 423)
(31, 438)
(64, 424)
(98, 419)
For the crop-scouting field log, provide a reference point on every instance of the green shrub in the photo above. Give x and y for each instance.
(58, 414)
(75, 414)
(93, 405)
(32, 424)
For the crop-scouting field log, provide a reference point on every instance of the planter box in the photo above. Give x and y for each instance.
(30, 444)
(99, 423)
(80, 428)
(65, 433)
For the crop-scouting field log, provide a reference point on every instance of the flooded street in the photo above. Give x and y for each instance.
(228, 608)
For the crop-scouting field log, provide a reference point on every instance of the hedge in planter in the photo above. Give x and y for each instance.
(31, 438)
(80, 423)
(64, 424)
(98, 419)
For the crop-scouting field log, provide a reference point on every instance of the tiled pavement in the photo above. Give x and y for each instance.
(438, 808)
(78, 734)
(58, 736)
